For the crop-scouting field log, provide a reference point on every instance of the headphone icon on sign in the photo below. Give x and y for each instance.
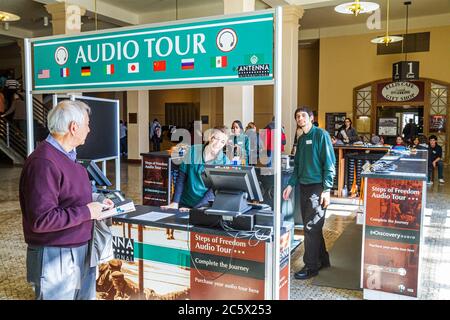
(226, 40)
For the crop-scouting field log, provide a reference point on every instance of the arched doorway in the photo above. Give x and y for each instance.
(383, 106)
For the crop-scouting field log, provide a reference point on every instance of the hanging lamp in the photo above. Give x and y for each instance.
(356, 7)
(387, 39)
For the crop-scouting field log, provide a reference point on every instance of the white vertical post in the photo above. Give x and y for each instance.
(276, 156)
(117, 164)
(29, 96)
(104, 170)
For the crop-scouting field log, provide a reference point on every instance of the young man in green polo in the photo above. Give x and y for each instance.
(314, 170)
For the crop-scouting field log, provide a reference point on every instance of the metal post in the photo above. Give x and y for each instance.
(104, 170)
(117, 166)
(276, 156)
(29, 96)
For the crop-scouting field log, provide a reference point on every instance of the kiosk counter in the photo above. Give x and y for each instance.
(342, 167)
(395, 197)
(196, 262)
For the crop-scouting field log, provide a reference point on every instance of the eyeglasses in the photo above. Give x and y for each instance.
(219, 140)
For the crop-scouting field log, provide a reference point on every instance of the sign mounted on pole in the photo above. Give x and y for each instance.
(220, 50)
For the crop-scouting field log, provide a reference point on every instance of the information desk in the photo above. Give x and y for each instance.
(199, 263)
(393, 229)
(341, 150)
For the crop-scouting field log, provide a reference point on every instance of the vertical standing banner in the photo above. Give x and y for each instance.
(191, 52)
(156, 179)
(392, 236)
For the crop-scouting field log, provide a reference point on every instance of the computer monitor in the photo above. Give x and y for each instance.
(234, 186)
(95, 173)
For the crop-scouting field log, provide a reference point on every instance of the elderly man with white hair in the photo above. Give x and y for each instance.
(58, 209)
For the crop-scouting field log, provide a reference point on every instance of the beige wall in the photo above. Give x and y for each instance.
(308, 76)
(350, 61)
(158, 99)
(263, 106)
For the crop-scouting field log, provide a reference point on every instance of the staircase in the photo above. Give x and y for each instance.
(12, 139)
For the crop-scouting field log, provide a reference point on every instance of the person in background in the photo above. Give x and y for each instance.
(314, 171)
(283, 138)
(347, 133)
(266, 138)
(58, 209)
(17, 112)
(435, 160)
(2, 103)
(298, 133)
(240, 143)
(382, 141)
(2, 81)
(410, 131)
(157, 138)
(190, 188)
(416, 144)
(399, 144)
(11, 87)
(336, 141)
(253, 137)
(375, 140)
(153, 126)
(123, 139)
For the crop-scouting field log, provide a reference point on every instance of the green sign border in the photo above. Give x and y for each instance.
(140, 84)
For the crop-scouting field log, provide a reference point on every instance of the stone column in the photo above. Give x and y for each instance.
(66, 18)
(238, 102)
(291, 17)
(137, 135)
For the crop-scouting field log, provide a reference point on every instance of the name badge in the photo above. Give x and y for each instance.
(308, 141)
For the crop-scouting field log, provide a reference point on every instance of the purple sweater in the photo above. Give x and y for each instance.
(54, 193)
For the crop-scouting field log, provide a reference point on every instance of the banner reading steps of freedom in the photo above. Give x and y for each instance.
(220, 50)
(392, 236)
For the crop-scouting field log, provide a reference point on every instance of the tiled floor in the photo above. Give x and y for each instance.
(436, 262)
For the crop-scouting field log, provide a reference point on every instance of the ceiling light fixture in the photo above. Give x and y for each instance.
(387, 38)
(356, 7)
(6, 16)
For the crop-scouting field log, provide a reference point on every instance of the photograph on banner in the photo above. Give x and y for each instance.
(437, 123)
(156, 269)
(394, 203)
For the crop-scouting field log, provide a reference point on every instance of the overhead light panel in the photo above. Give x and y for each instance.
(356, 7)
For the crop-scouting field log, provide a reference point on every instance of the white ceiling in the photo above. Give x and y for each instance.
(116, 13)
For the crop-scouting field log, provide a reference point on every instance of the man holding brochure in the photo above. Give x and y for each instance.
(58, 209)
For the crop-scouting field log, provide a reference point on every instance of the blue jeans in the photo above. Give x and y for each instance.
(440, 167)
(61, 273)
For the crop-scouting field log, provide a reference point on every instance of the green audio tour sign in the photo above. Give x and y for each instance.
(223, 50)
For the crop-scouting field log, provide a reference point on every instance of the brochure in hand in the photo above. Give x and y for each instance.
(124, 207)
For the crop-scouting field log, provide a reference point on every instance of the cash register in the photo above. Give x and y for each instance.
(100, 182)
(234, 187)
